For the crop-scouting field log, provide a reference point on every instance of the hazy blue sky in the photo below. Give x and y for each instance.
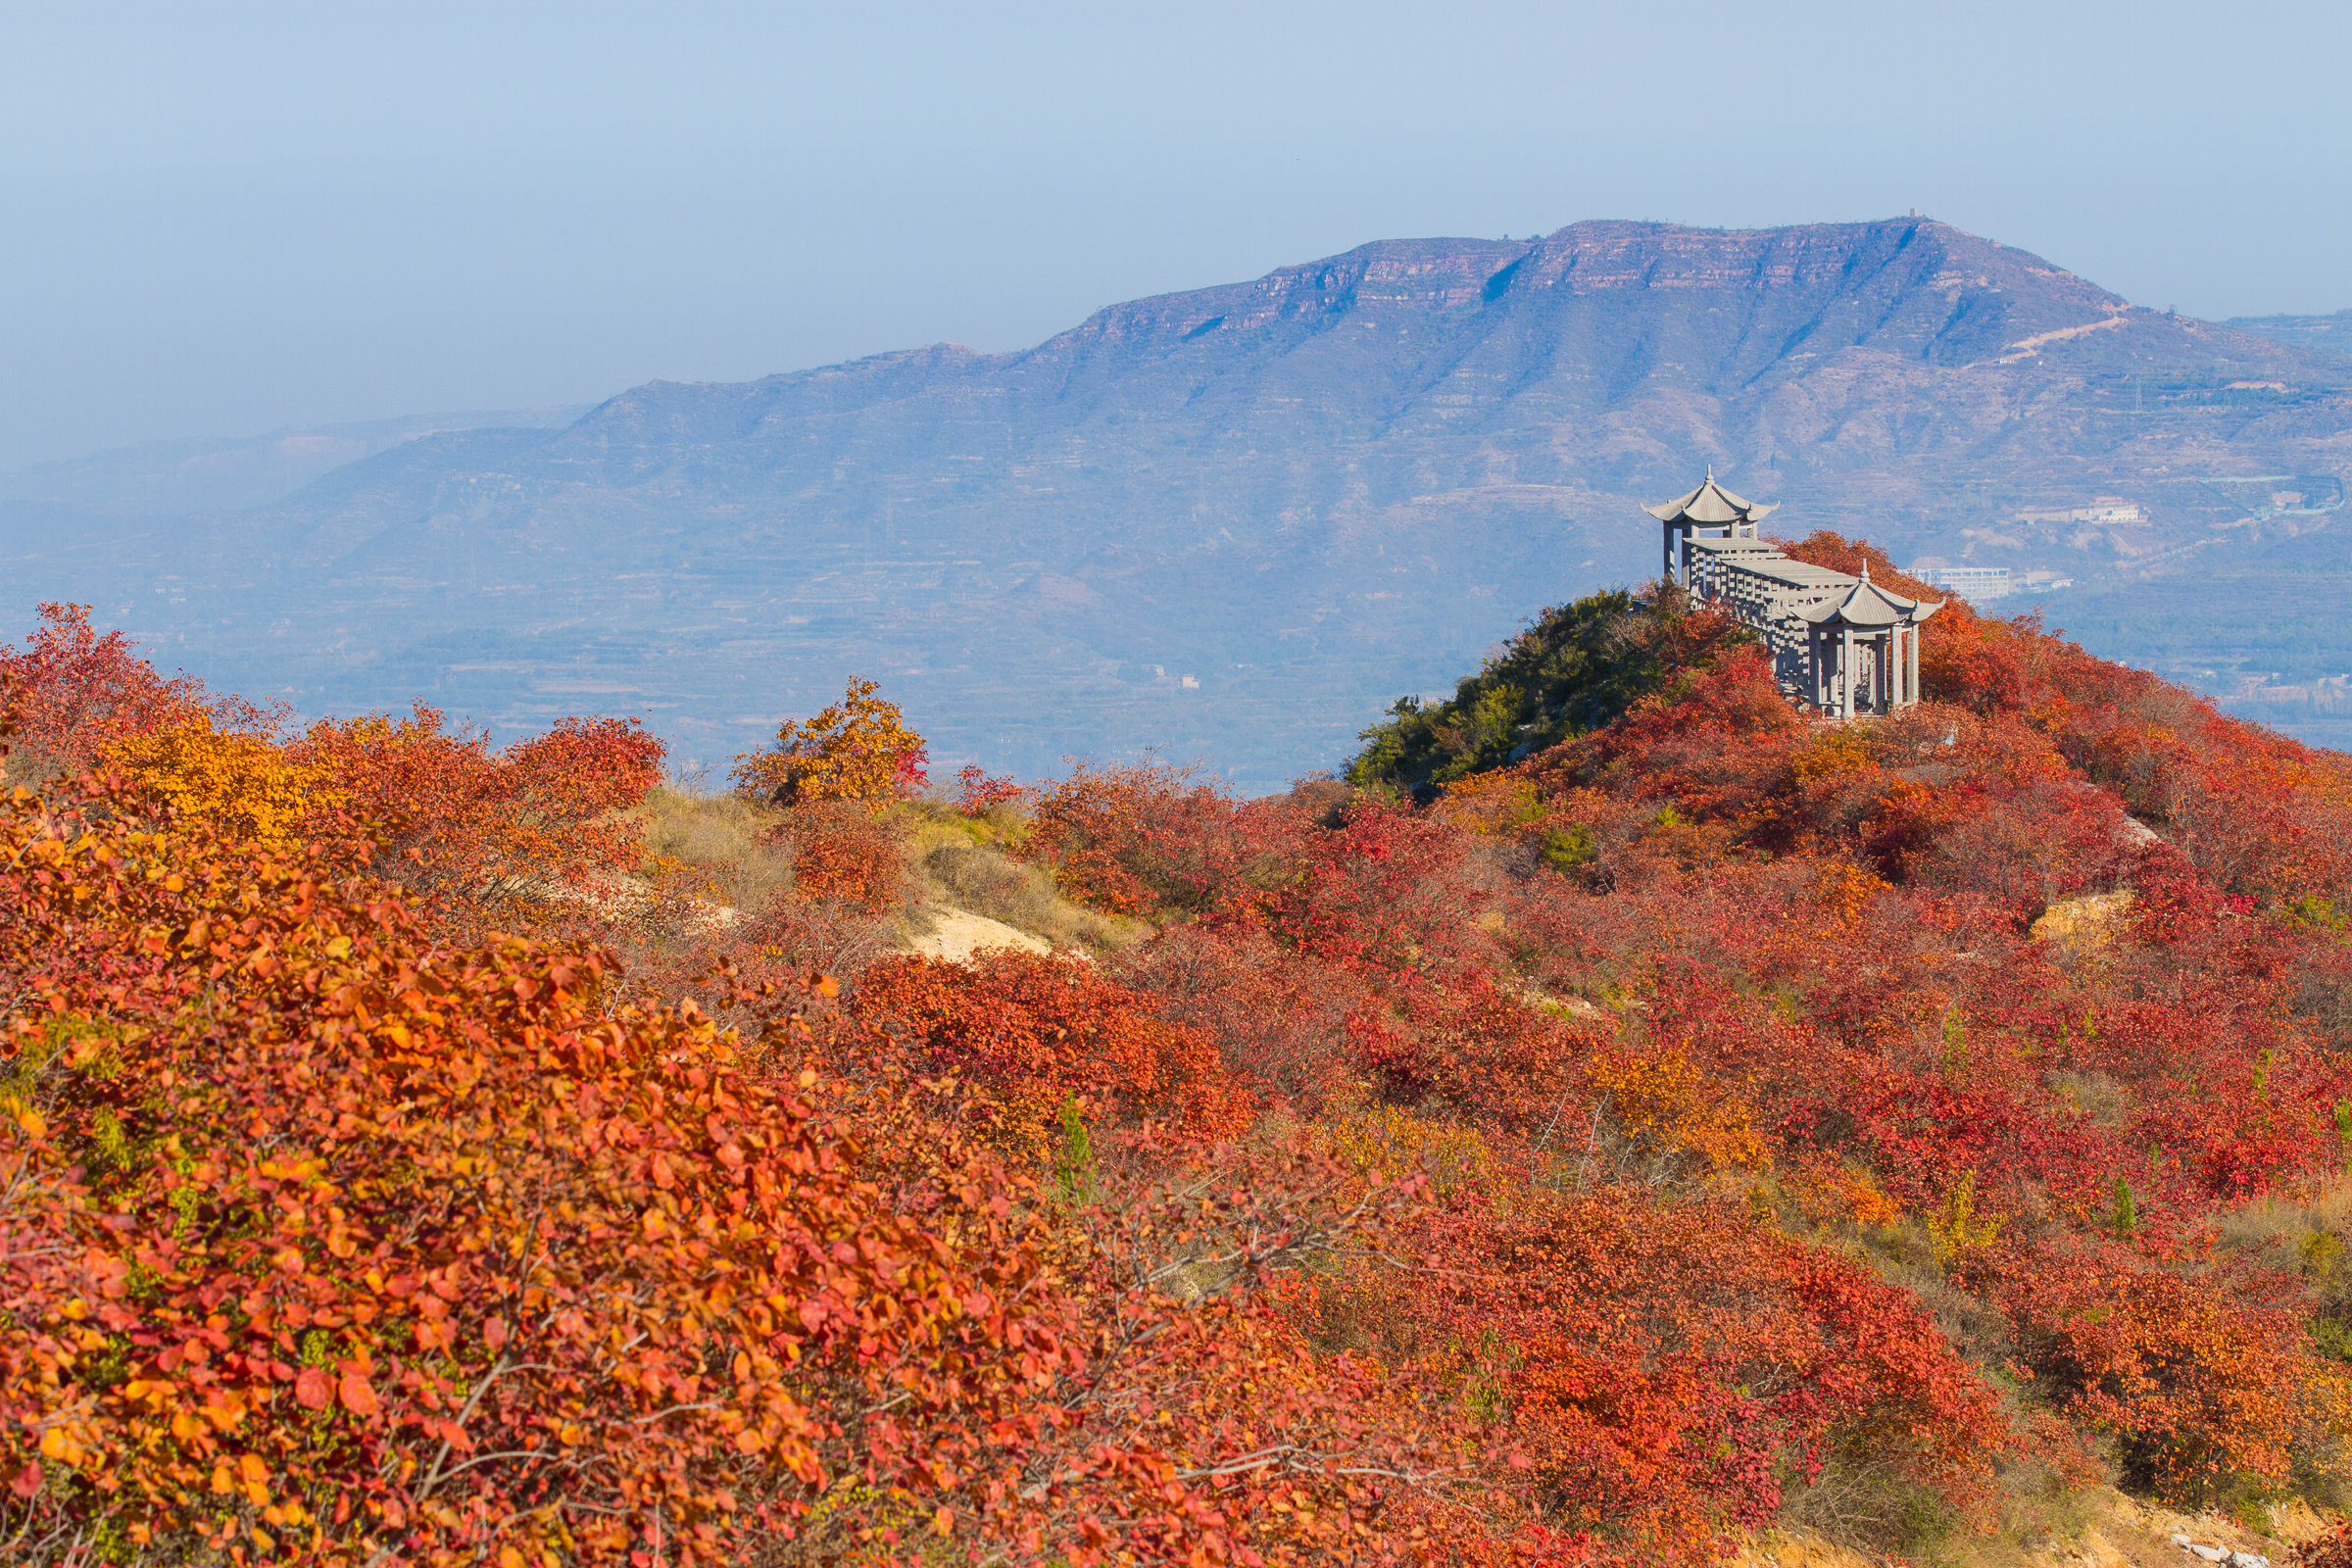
(222, 218)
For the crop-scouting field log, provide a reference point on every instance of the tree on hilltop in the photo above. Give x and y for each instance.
(1575, 669)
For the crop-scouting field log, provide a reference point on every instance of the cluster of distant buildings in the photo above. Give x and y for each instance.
(1980, 584)
(2104, 512)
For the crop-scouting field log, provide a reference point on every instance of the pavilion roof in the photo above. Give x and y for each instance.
(1870, 607)
(1709, 503)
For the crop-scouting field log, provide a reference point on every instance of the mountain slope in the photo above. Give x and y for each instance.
(2320, 335)
(1239, 520)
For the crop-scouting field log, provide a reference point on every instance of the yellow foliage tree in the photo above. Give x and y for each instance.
(860, 749)
(238, 783)
(1958, 1228)
(1665, 1106)
(1385, 1138)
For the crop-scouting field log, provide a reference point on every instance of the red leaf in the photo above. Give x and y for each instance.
(312, 1388)
(357, 1397)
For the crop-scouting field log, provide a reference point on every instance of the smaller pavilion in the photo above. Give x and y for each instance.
(1839, 643)
(1862, 650)
(1709, 511)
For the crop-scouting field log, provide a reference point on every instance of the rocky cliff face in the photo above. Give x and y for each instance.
(1238, 521)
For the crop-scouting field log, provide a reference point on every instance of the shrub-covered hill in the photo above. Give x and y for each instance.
(424, 1151)
(1576, 667)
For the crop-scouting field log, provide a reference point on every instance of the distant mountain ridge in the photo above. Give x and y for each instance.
(173, 479)
(2320, 335)
(1235, 521)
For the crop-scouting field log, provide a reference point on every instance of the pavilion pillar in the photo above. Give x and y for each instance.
(1915, 664)
(1845, 674)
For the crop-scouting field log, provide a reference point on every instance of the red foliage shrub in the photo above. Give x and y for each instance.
(1279, 1020)
(1662, 1391)
(1387, 891)
(73, 694)
(843, 852)
(976, 791)
(1144, 840)
(452, 816)
(1032, 1031)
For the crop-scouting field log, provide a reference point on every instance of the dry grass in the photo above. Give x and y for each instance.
(722, 838)
(723, 844)
(2292, 1234)
(2094, 1093)
(984, 880)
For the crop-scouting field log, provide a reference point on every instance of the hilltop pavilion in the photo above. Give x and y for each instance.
(1839, 642)
(1709, 511)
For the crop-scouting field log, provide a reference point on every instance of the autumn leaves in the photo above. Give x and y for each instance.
(1670, 1133)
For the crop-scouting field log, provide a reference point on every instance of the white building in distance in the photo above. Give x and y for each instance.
(1977, 584)
(2104, 512)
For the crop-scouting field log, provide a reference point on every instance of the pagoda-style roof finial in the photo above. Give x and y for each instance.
(1710, 505)
(1866, 606)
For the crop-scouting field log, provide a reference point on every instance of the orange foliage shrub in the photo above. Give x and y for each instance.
(2200, 1383)
(332, 1243)
(240, 784)
(1031, 1031)
(1662, 1392)
(841, 851)
(860, 749)
(447, 814)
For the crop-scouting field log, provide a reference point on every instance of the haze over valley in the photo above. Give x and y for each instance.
(1234, 524)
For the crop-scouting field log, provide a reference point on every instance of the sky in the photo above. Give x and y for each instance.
(223, 220)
